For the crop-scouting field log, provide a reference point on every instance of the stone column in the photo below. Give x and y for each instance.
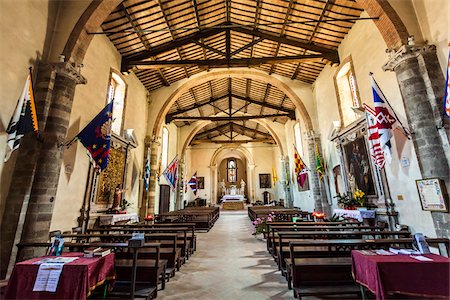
(214, 192)
(48, 167)
(23, 174)
(422, 84)
(251, 183)
(288, 184)
(315, 184)
(151, 194)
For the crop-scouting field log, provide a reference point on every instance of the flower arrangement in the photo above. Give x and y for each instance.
(318, 215)
(260, 224)
(349, 201)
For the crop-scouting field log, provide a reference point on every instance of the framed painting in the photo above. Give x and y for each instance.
(432, 194)
(358, 167)
(201, 183)
(264, 181)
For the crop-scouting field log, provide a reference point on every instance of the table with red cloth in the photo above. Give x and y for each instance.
(402, 274)
(78, 278)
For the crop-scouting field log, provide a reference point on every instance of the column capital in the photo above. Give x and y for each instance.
(404, 53)
(251, 167)
(70, 70)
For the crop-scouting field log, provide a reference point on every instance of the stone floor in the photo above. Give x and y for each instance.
(229, 263)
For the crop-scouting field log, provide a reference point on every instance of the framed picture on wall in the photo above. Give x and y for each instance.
(432, 194)
(358, 167)
(201, 183)
(264, 181)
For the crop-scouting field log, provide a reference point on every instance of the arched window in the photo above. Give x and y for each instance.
(347, 92)
(116, 92)
(231, 170)
(298, 138)
(165, 147)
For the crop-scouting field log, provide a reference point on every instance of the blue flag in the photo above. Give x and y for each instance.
(147, 171)
(193, 183)
(171, 172)
(96, 137)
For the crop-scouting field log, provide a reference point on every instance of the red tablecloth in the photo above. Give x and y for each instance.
(77, 280)
(383, 274)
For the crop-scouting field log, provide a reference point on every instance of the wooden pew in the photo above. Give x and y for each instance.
(311, 226)
(203, 217)
(182, 232)
(320, 249)
(154, 275)
(192, 238)
(284, 238)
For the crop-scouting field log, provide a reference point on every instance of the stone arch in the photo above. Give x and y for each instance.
(389, 24)
(199, 125)
(239, 73)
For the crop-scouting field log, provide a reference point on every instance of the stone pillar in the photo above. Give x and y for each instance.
(288, 183)
(251, 183)
(23, 174)
(214, 192)
(154, 173)
(422, 87)
(180, 187)
(48, 167)
(315, 184)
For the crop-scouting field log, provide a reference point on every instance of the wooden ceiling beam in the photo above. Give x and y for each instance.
(201, 44)
(169, 117)
(252, 130)
(283, 28)
(329, 54)
(227, 118)
(251, 44)
(265, 104)
(200, 141)
(207, 132)
(142, 39)
(221, 63)
(172, 35)
(146, 54)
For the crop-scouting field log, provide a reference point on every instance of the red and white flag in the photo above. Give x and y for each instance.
(385, 118)
(301, 171)
(376, 152)
(447, 89)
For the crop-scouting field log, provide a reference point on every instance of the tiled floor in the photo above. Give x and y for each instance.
(229, 263)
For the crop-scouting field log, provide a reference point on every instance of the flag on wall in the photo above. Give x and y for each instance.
(274, 176)
(193, 183)
(147, 171)
(447, 88)
(384, 117)
(301, 172)
(171, 172)
(374, 138)
(319, 164)
(96, 137)
(23, 120)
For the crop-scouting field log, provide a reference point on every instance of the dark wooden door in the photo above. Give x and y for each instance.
(164, 198)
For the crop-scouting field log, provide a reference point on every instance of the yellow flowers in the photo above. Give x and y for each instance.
(358, 194)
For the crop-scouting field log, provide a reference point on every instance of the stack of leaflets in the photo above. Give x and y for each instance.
(96, 251)
(403, 251)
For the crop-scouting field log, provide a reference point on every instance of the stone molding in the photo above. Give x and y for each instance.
(69, 70)
(406, 52)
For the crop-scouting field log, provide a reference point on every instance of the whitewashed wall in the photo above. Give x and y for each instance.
(89, 100)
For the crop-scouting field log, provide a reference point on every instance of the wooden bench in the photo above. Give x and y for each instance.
(148, 283)
(321, 249)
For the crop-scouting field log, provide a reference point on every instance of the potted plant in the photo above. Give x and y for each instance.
(260, 225)
(351, 201)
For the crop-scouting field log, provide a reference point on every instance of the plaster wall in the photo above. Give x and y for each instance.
(88, 101)
(366, 47)
(173, 150)
(198, 158)
(22, 45)
(434, 16)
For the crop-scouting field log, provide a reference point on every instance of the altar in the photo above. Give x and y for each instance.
(233, 198)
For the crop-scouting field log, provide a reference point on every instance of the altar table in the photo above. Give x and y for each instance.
(402, 274)
(355, 214)
(233, 205)
(78, 278)
(114, 218)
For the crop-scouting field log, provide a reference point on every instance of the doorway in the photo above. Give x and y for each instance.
(164, 198)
